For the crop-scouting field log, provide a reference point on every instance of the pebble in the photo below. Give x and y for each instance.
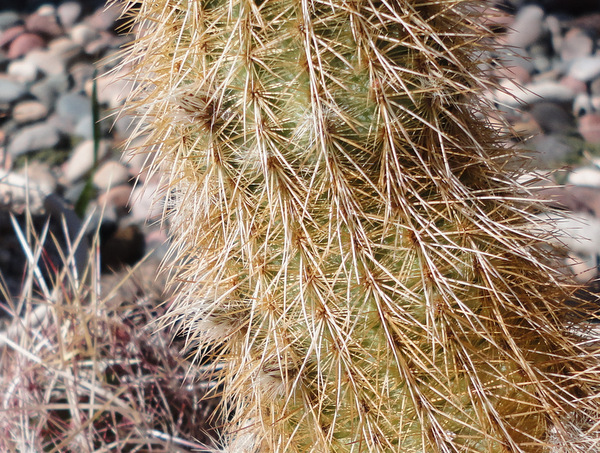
(83, 34)
(71, 107)
(527, 26)
(23, 44)
(46, 61)
(23, 71)
(68, 13)
(34, 138)
(552, 118)
(29, 112)
(589, 127)
(49, 88)
(110, 174)
(585, 69)
(104, 18)
(44, 22)
(8, 19)
(11, 90)
(9, 35)
(577, 43)
(82, 160)
(585, 176)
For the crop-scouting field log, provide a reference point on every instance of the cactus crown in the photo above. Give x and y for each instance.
(347, 231)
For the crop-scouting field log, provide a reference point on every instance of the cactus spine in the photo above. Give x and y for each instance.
(348, 233)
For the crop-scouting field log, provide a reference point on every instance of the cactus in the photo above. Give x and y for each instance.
(349, 238)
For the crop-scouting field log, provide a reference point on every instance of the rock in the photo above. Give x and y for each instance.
(577, 43)
(552, 118)
(24, 44)
(112, 89)
(81, 72)
(82, 160)
(550, 149)
(585, 69)
(83, 34)
(11, 90)
(584, 268)
(23, 71)
(9, 35)
(575, 85)
(585, 176)
(85, 127)
(44, 22)
(99, 46)
(8, 19)
(105, 17)
(48, 89)
(118, 197)
(71, 107)
(514, 95)
(527, 27)
(589, 127)
(46, 61)
(34, 138)
(29, 111)
(582, 105)
(125, 247)
(145, 207)
(110, 174)
(68, 13)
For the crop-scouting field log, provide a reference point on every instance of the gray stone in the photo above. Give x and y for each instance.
(29, 111)
(81, 73)
(8, 19)
(68, 13)
(11, 90)
(85, 127)
(34, 138)
(71, 107)
(550, 149)
(552, 118)
(48, 89)
(585, 69)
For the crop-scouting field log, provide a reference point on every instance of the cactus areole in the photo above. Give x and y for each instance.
(347, 234)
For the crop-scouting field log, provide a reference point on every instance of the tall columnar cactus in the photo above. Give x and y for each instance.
(348, 234)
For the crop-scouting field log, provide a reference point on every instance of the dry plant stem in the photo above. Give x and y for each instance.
(348, 233)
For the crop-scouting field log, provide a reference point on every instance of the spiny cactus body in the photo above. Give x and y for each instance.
(348, 233)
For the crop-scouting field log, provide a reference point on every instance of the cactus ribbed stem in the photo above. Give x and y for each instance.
(348, 231)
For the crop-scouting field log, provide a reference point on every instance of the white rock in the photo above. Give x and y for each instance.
(83, 34)
(110, 174)
(23, 70)
(514, 95)
(585, 69)
(145, 206)
(82, 160)
(585, 176)
(527, 27)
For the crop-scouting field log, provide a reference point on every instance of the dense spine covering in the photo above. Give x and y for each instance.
(348, 232)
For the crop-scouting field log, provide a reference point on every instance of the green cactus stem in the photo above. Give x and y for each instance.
(348, 234)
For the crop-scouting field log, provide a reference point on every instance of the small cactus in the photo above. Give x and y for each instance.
(348, 235)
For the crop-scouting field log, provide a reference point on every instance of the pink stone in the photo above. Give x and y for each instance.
(23, 44)
(574, 84)
(44, 24)
(589, 127)
(8, 35)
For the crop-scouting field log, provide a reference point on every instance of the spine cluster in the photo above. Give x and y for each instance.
(348, 235)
